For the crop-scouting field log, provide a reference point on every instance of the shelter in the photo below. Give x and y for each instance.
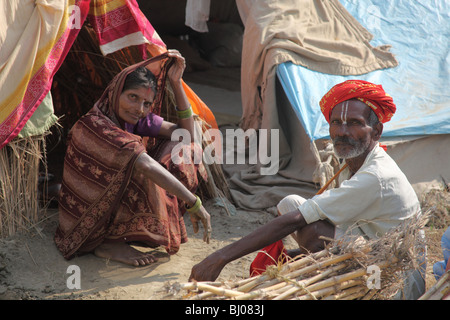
(295, 51)
(35, 40)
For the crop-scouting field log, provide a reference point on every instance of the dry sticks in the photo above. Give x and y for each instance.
(339, 272)
(306, 278)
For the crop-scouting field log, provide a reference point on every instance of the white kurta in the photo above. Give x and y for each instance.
(375, 199)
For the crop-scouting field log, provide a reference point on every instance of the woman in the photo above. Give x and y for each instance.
(113, 192)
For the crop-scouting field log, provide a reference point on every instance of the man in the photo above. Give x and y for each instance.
(375, 197)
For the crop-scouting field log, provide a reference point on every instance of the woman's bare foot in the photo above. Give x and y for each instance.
(122, 252)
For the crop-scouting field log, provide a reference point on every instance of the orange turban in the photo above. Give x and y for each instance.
(371, 94)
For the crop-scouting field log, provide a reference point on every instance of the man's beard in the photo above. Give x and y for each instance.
(358, 147)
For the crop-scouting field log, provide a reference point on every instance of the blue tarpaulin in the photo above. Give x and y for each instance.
(419, 34)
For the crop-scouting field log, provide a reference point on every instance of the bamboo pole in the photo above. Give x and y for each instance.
(303, 285)
(429, 295)
(213, 289)
(263, 278)
(330, 290)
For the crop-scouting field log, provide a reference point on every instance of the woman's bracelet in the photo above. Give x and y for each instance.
(196, 206)
(184, 114)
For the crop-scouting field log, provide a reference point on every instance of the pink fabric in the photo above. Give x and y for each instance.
(123, 19)
(39, 85)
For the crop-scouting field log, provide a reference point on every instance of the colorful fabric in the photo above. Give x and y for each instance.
(27, 66)
(34, 39)
(440, 267)
(42, 119)
(119, 24)
(148, 126)
(102, 198)
(186, 173)
(272, 254)
(371, 94)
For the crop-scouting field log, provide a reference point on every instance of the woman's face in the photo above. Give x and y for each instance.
(135, 104)
(349, 129)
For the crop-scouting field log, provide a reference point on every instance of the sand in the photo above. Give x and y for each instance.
(31, 267)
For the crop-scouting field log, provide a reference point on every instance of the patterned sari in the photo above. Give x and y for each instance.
(102, 198)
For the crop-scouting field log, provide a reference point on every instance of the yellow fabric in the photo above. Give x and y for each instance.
(29, 31)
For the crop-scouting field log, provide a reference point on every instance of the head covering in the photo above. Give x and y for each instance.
(102, 196)
(109, 101)
(371, 94)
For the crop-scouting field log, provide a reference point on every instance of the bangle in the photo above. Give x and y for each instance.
(184, 114)
(196, 206)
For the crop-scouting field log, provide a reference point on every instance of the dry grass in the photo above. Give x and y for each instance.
(20, 208)
(438, 202)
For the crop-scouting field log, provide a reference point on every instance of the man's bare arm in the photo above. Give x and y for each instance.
(280, 227)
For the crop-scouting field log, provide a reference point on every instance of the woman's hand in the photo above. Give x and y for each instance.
(203, 216)
(176, 71)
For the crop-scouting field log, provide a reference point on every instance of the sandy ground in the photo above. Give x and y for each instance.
(31, 267)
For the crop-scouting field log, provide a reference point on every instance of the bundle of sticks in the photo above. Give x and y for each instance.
(346, 269)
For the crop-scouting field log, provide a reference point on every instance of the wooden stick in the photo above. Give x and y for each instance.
(427, 295)
(320, 265)
(216, 290)
(302, 285)
(331, 180)
(299, 283)
(264, 279)
(331, 290)
(350, 294)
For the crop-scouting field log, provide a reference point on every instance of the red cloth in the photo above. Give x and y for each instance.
(371, 94)
(270, 255)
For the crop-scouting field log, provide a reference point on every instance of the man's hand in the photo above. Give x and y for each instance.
(207, 270)
(203, 216)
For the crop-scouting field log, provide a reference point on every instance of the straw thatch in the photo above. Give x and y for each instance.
(20, 206)
(339, 272)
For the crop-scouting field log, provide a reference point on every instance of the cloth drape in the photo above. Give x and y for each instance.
(35, 37)
(319, 35)
(102, 198)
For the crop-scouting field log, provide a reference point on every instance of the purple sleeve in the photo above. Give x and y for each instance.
(147, 127)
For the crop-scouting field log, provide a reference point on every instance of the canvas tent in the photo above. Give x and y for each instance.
(35, 39)
(294, 51)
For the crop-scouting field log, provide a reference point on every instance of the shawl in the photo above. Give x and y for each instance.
(101, 196)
